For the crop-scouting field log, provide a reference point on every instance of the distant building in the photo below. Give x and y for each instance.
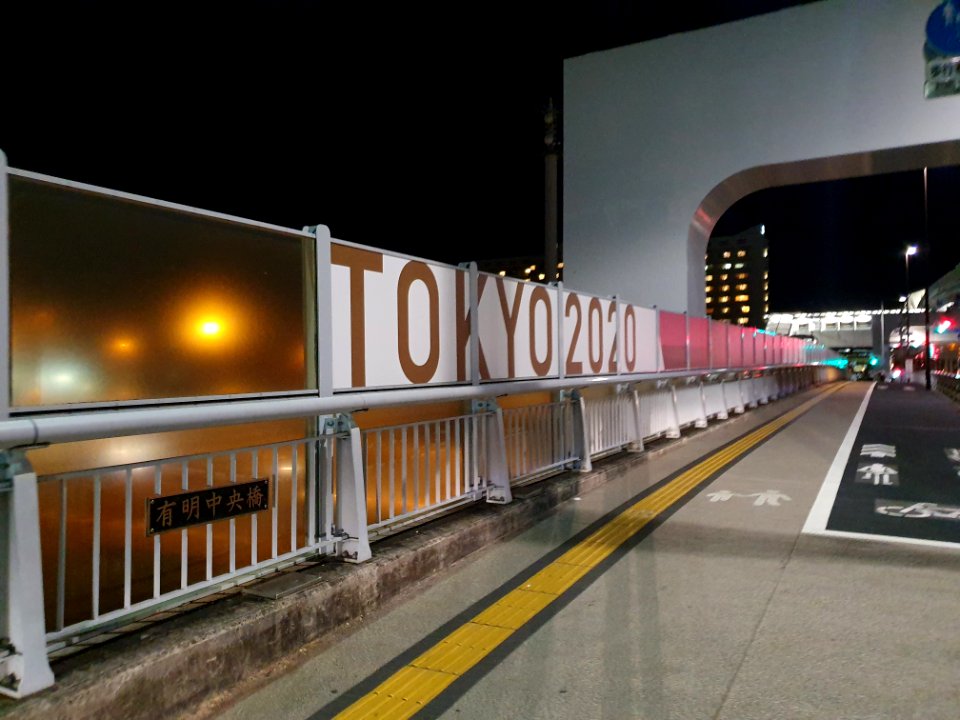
(522, 268)
(737, 277)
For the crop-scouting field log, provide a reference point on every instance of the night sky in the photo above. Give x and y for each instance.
(402, 127)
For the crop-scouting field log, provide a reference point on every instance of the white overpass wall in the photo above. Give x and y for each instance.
(651, 128)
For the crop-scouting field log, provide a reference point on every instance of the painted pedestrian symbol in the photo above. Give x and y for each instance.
(768, 497)
(877, 450)
(877, 474)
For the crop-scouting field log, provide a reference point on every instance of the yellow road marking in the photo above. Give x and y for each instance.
(408, 690)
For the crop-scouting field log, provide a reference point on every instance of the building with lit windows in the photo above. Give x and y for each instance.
(737, 277)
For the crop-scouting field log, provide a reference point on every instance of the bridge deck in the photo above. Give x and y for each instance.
(687, 589)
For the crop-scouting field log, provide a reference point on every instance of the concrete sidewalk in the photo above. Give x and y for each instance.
(725, 612)
(181, 666)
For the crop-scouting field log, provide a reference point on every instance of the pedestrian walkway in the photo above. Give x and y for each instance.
(684, 589)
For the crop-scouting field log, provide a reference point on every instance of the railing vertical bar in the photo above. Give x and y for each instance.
(392, 471)
(209, 528)
(157, 490)
(403, 468)
(457, 458)
(544, 449)
(184, 557)
(127, 537)
(254, 529)
(95, 587)
(416, 467)
(312, 453)
(427, 490)
(469, 479)
(519, 425)
(232, 521)
(275, 514)
(61, 557)
(437, 464)
(522, 436)
(294, 492)
(448, 456)
(379, 475)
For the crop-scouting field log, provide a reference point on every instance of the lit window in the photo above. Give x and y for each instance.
(726, 254)
(726, 266)
(724, 276)
(741, 298)
(765, 273)
(709, 278)
(503, 273)
(560, 265)
(766, 297)
(766, 286)
(724, 298)
(709, 288)
(742, 286)
(738, 266)
(725, 311)
(724, 288)
(741, 253)
(744, 308)
(742, 321)
(742, 276)
(764, 252)
(766, 308)
(709, 300)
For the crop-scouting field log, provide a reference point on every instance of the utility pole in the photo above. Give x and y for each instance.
(550, 161)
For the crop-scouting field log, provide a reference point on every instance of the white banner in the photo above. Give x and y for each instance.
(518, 329)
(394, 321)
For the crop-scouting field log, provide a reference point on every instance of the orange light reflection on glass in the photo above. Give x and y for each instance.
(123, 347)
(212, 322)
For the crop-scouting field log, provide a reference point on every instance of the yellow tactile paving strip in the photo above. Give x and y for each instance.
(408, 690)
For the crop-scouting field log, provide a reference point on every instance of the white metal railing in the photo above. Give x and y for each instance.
(658, 413)
(417, 469)
(607, 423)
(539, 439)
(689, 405)
(714, 401)
(122, 571)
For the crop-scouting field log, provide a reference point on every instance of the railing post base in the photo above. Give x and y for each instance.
(674, 432)
(724, 413)
(24, 668)
(354, 547)
(636, 419)
(498, 473)
(581, 434)
(701, 422)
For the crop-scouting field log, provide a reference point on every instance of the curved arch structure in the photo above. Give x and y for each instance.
(662, 137)
(838, 167)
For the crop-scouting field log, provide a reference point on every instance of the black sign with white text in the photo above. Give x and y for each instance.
(197, 507)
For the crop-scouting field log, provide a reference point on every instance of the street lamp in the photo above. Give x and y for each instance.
(905, 327)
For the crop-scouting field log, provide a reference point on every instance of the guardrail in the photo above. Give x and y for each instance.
(307, 327)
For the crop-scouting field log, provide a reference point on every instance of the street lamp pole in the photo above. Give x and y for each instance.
(926, 286)
(911, 250)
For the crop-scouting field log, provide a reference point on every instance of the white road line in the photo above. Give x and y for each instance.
(884, 538)
(820, 512)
